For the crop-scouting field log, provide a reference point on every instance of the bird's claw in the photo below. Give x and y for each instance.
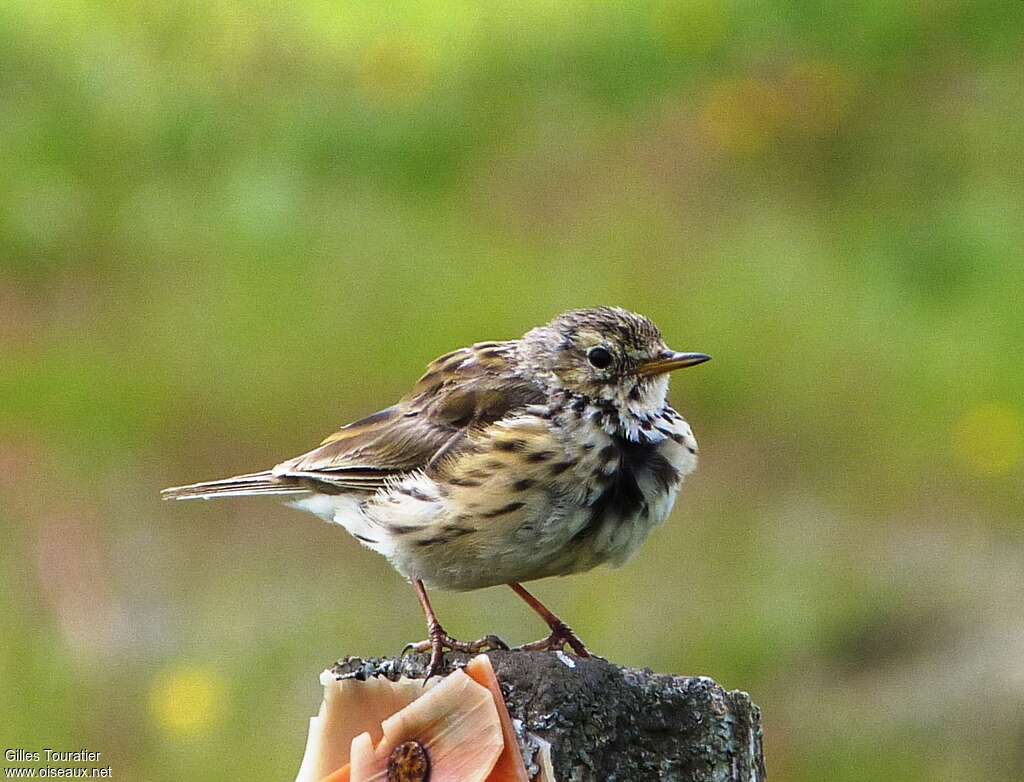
(488, 643)
(561, 636)
(440, 642)
(447, 643)
(417, 647)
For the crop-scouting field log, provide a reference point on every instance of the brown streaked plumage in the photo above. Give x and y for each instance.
(506, 462)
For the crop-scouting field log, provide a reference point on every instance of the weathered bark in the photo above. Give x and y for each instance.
(615, 724)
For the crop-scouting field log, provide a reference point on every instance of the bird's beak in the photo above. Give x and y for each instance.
(669, 361)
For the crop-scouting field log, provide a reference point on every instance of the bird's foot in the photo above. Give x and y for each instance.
(561, 635)
(440, 642)
(447, 643)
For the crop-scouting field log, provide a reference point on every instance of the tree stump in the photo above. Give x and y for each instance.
(611, 724)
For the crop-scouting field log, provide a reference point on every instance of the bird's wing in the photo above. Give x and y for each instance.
(460, 391)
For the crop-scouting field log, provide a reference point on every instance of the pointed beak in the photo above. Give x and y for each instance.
(670, 361)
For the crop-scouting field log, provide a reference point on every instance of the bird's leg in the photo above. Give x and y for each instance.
(561, 633)
(438, 640)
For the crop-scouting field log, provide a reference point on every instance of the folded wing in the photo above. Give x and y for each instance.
(467, 389)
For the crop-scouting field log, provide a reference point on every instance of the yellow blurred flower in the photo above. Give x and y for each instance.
(746, 116)
(187, 700)
(989, 439)
(397, 68)
(742, 116)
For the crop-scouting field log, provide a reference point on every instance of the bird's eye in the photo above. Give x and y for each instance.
(599, 357)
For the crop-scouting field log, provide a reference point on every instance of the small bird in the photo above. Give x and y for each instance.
(507, 462)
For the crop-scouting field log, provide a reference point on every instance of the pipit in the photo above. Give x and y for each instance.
(507, 462)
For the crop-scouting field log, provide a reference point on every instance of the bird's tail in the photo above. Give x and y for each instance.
(252, 485)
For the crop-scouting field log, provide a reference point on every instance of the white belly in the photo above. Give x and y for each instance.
(591, 516)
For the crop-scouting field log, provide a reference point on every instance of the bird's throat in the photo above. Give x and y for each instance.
(634, 423)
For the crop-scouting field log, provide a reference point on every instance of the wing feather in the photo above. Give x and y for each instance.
(460, 391)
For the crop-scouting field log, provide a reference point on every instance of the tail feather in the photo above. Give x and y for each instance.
(252, 485)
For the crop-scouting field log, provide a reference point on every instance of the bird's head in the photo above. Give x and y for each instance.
(605, 353)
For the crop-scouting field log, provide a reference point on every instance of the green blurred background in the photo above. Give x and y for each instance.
(227, 228)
